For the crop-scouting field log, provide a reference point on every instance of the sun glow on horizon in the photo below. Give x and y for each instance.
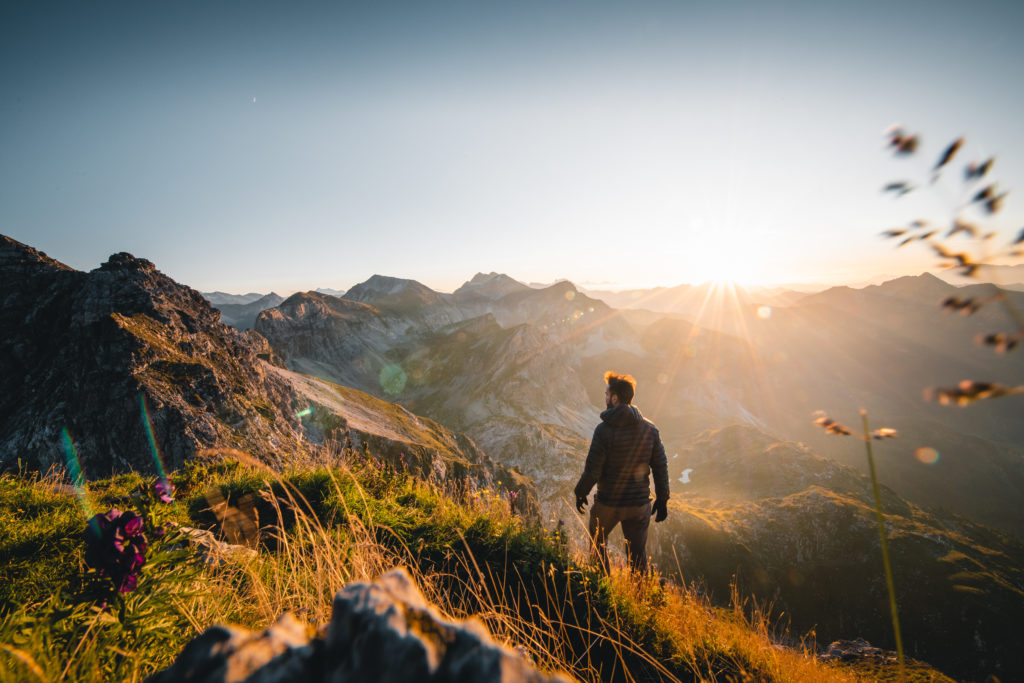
(722, 256)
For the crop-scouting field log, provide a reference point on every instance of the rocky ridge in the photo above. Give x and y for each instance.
(86, 352)
(109, 355)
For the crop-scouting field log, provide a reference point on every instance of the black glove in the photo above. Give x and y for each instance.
(660, 508)
(581, 502)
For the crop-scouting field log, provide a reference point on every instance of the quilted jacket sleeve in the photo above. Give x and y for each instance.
(659, 468)
(595, 463)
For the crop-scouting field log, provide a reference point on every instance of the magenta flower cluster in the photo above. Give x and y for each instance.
(164, 490)
(116, 546)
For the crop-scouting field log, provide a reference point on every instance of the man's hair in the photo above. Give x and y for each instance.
(623, 386)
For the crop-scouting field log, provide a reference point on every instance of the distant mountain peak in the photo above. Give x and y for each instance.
(218, 298)
(488, 277)
(925, 284)
(377, 279)
(380, 286)
(490, 286)
(562, 286)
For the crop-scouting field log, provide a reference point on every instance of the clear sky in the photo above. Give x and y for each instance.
(250, 146)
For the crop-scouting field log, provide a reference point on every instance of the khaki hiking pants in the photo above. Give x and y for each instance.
(635, 521)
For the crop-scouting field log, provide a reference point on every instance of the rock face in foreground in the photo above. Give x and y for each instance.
(383, 631)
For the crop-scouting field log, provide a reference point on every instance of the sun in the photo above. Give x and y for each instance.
(730, 265)
(714, 252)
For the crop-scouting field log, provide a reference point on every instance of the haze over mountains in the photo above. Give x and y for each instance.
(498, 380)
(465, 357)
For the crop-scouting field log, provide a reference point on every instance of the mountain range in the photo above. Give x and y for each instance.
(470, 358)
(500, 381)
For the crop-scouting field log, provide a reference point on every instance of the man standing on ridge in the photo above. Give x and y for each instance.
(625, 450)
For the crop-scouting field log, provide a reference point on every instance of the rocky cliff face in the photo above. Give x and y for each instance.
(85, 351)
(106, 355)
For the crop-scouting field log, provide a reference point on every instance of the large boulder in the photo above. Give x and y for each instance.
(384, 631)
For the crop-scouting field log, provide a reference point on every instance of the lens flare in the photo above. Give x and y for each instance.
(153, 448)
(927, 455)
(764, 312)
(75, 472)
(392, 379)
(303, 413)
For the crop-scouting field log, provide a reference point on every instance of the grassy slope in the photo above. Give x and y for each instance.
(316, 530)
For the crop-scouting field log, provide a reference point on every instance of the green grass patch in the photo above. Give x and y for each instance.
(310, 532)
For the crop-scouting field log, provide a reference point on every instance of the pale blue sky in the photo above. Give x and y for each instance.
(248, 146)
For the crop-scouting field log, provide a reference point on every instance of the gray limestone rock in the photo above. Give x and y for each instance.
(384, 631)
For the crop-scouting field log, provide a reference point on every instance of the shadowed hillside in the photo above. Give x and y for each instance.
(798, 531)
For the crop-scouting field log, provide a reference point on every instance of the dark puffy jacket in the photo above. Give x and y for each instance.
(624, 452)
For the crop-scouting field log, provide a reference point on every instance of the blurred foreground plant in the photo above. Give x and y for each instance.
(833, 427)
(980, 201)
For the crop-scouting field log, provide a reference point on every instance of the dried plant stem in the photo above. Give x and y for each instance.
(884, 541)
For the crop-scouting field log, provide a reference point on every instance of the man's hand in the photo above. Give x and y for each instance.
(581, 502)
(659, 510)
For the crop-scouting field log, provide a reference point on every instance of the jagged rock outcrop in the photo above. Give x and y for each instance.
(84, 352)
(383, 631)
